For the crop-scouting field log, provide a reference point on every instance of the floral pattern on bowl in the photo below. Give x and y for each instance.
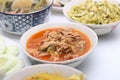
(19, 23)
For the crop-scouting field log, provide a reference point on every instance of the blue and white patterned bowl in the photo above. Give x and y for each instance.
(19, 23)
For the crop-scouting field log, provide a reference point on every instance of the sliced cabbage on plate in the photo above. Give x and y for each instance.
(9, 60)
(10, 63)
(12, 50)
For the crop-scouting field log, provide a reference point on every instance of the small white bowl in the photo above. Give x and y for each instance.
(99, 29)
(50, 68)
(72, 62)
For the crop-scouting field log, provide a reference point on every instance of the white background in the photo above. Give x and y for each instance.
(103, 63)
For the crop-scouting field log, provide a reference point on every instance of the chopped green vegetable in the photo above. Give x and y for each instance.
(51, 48)
(19, 65)
(7, 61)
(12, 50)
(95, 12)
(42, 49)
(40, 4)
(8, 57)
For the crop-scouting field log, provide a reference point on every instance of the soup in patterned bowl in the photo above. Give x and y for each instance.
(16, 19)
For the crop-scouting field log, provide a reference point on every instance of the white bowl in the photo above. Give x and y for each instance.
(60, 8)
(99, 29)
(72, 62)
(50, 68)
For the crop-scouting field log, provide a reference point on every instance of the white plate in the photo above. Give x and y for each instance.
(21, 55)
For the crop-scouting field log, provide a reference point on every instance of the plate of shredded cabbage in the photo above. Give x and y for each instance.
(11, 57)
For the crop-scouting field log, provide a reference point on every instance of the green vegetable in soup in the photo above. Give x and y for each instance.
(14, 6)
(2, 4)
(51, 49)
(40, 5)
(5, 5)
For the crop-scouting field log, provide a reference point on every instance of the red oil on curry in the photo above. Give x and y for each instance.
(35, 38)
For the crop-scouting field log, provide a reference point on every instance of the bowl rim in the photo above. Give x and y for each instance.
(60, 62)
(50, 4)
(44, 65)
(91, 25)
(59, 9)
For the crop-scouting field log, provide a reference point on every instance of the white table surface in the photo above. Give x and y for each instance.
(103, 63)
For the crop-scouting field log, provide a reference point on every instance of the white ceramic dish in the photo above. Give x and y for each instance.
(99, 29)
(50, 68)
(72, 62)
(20, 55)
(60, 8)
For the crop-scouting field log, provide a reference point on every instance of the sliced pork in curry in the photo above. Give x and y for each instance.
(59, 44)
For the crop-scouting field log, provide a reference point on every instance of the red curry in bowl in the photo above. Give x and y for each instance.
(58, 44)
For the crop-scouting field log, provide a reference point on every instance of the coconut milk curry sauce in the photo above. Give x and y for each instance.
(58, 44)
